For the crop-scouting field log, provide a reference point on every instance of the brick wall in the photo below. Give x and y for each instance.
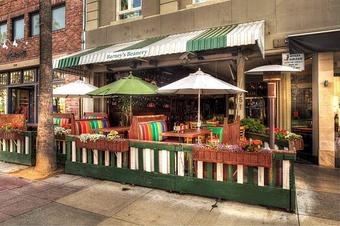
(65, 41)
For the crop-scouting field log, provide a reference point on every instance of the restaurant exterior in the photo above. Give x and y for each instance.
(225, 38)
(19, 52)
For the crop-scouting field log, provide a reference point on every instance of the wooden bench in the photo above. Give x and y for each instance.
(90, 125)
(65, 120)
(148, 127)
(95, 115)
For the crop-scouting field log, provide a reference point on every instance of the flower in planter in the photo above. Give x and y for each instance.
(280, 134)
(251, 145)
(234, 148)
(10, 127)
(293, 136)
(91, 137)
(112, 135)
(60, 131)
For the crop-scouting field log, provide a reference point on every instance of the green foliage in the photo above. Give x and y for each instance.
(253, 125)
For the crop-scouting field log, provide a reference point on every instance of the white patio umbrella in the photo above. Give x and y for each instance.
(74, 89)
(200, 83)
(271, 69)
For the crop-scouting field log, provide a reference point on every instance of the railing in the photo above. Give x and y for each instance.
(171, 167)
(20, 150)
(60, 149)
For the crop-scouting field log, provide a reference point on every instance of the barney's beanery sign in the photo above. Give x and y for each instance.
(126, 54)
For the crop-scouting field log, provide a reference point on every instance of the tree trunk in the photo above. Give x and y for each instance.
(46, 157)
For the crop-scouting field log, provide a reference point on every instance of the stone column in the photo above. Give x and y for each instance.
(285, 102)
(323, 115)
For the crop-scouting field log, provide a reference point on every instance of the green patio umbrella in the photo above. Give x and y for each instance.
(129, 86)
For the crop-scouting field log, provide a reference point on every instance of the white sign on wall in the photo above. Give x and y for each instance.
(126, 54)
(294, 60)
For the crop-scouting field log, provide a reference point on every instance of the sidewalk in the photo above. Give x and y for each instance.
(73, 200)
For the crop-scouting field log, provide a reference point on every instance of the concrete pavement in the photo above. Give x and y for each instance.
(73, 200)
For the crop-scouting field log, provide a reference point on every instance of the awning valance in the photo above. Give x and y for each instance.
(323, 41)
(208, 39)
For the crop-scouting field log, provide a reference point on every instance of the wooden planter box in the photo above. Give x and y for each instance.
(60, 137)
(105, 145)
(11, 135)
(298, 144)
(263, 159)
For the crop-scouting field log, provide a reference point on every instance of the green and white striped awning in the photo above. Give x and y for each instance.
(208, 39)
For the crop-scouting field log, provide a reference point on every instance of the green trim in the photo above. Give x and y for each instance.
(246, 193)
(75, 59)
(212, 38)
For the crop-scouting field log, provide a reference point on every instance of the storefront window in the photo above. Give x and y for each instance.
(3, 98)
(15, 77)
(302, 97)
(3, 78)
(128, 8)
(29, 76)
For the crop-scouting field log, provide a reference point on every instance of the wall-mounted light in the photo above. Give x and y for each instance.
(325, 83)
(4, 46)
(15, 43)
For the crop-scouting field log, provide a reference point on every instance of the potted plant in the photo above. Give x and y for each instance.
(11, 131)
(60, 132)
(249, 153)
(111, 142)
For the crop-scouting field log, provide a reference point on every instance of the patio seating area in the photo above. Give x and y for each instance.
(207, 157)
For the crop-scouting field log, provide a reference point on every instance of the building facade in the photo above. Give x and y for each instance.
(307, 102)
(19, 50)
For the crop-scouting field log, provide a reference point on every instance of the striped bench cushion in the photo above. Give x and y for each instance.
(152, 130)
(89, 125)
(62, 122)
(92, 117)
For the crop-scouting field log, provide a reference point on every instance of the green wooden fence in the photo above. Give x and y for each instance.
(21, 151)
(171, 167)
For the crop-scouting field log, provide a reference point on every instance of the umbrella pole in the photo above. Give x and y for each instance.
(130, 109)
(199, 110)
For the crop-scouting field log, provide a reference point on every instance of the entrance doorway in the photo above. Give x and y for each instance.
(22, 101)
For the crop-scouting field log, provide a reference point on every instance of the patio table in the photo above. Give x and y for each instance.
(187, 134)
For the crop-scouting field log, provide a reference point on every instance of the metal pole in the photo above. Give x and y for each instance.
(130, 109)
(199, 110)
(272, 112)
